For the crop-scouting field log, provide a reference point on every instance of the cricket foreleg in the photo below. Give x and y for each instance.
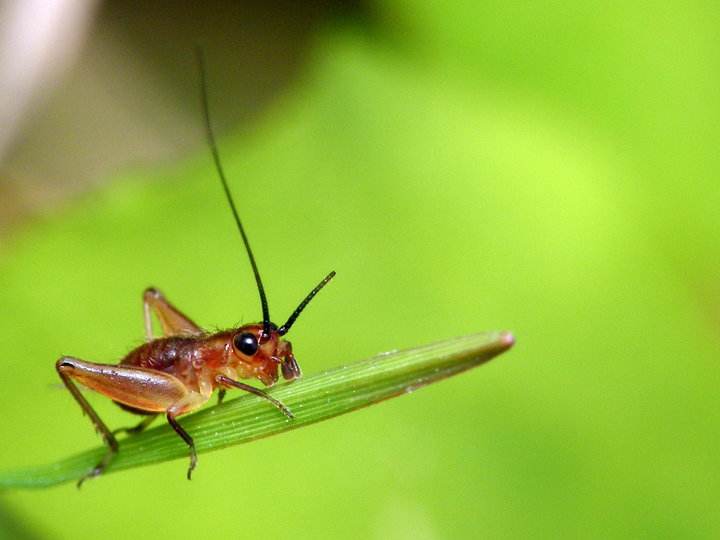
(231, 383)
(173, 322)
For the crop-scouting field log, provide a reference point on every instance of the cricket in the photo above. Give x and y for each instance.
(177, 373)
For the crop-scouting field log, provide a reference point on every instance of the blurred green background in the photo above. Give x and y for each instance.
(548, 168)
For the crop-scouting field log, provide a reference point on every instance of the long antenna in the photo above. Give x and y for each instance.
(285, 328)
(221, 173)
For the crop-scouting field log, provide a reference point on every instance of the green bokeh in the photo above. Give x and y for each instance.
(551, 170)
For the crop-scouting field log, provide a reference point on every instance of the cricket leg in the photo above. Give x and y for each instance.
(188, 403)
(140, 388)
(221, 395)
(227, 382)
(138, 428)
(100, 426)
(172, 321)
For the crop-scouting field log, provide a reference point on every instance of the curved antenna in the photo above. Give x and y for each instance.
(221, 173)
(285, 328)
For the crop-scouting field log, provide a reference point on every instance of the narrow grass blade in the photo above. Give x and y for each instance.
(314, 398)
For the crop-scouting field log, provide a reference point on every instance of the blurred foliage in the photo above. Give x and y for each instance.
(11, 527)
(547, 168)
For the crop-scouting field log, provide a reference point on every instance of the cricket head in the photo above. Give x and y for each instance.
(264, 356)
(261, 350)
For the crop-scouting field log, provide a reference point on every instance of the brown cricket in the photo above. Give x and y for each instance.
(177, 373)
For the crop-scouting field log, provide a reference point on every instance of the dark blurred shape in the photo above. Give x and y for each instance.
(13, 528)
(254, 48)
(132, 96)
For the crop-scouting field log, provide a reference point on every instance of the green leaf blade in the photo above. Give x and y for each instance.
(313, 399)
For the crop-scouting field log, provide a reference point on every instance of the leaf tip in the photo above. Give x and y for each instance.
(507, 340)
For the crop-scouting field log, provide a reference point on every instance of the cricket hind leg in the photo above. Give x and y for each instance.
(62, 366)
(172, 320)
(140, 389)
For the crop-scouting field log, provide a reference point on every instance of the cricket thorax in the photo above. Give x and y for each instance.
(244, 353)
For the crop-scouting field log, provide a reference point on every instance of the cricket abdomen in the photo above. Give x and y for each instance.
(164, 354)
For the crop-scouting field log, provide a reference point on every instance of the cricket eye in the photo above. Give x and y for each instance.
(246, 343)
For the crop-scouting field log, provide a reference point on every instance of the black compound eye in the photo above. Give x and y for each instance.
(246, 344)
